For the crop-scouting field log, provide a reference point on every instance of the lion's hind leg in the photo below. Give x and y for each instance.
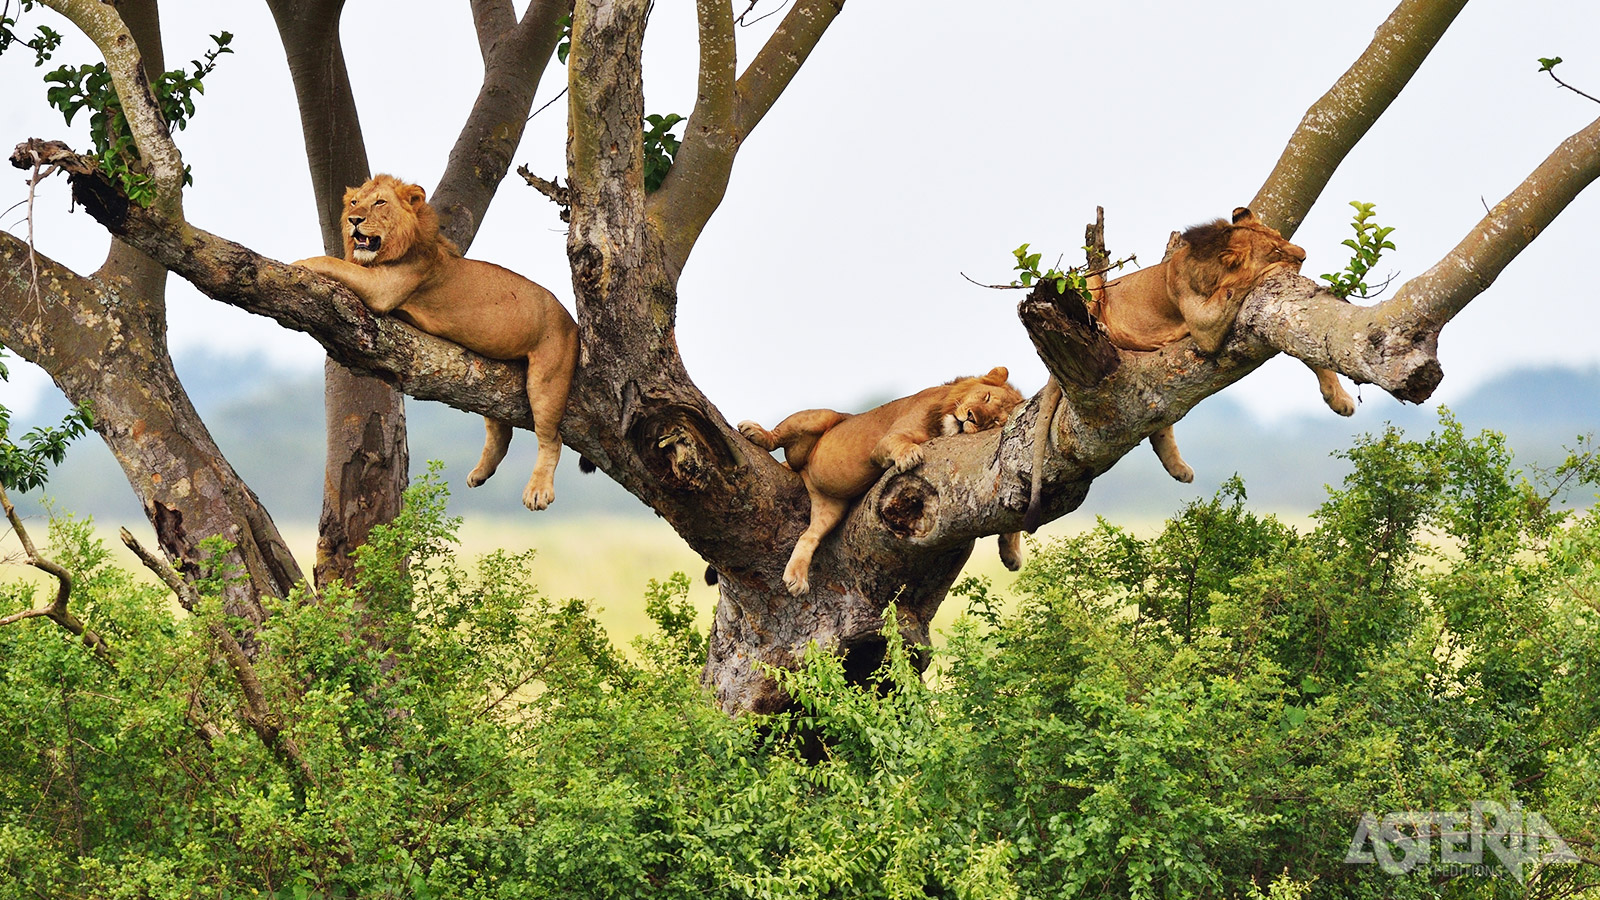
(1333, 393)
(826, 513)
(797, 434)
(1166, 447)
(549, 381)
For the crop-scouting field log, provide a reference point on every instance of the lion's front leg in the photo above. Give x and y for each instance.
(380, 289)
(1210, 321)
(897, 451)
(1011, 550)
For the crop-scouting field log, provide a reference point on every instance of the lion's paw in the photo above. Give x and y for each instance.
(798, 584)
(1011, 550)
(757, 435)
(478, 476)
(538, 497)
(1181, 471)
(908, 460)
(1341, 403)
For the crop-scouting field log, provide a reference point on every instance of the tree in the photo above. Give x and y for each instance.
(635, 412)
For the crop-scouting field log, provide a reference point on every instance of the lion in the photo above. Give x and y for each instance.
(397, 262)
(1196, 292)
(839, 456)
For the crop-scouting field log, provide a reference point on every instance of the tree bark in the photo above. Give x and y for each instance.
(104, 345)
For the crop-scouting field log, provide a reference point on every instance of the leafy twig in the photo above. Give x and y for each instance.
(1368, 246)
(1548, 65)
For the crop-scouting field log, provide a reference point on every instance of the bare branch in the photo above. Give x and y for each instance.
(101, 23)
(1341, 118)
(1550, 69)
(481, 157)
(491, 18)
(1393, 344)
(552, 189)
(57, 611)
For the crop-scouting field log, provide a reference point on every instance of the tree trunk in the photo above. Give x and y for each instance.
(103, 339)
(367, 465)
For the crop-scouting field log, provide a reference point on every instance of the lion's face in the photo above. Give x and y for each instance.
(981, 403)
(1258, 249)
(383, 219)
(1222, 259)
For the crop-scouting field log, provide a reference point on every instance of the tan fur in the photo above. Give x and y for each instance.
(419, 275)
(1196, 292)
(839, 456)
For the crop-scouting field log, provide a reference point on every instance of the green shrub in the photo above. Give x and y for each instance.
(1206, 712)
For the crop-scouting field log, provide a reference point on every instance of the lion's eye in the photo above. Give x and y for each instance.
(379, 202)
(986, 397)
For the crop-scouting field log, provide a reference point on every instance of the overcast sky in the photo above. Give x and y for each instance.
(920, 141)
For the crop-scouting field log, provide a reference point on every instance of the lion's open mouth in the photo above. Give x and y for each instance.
(367, 242)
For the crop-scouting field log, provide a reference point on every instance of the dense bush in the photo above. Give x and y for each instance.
(1208, 712)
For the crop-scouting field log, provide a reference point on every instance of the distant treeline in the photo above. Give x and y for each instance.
(269, 424)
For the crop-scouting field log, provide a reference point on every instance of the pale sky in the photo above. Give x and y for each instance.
(920, 141)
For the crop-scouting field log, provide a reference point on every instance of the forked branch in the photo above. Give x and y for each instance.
(1341, 118)
(57, 611)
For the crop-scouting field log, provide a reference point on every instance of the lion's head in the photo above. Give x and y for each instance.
(385, 218)
(978, 404)
(1223, 257)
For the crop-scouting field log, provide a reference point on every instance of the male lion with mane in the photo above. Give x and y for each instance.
(397, 262)
(1196, 292)
(839, 456)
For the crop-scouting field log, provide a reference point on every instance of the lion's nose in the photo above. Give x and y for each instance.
(357, 220)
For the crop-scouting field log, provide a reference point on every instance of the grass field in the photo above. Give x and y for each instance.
(607, 560)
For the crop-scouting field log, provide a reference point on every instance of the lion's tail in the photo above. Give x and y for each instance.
(1049, 399)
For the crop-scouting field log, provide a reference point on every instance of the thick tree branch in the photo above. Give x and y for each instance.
(101, 24)
(1341, 118)
(105, 346)
(725, 113)
(482, 153)
(765, 79)
(1393, 344)
(57, 611)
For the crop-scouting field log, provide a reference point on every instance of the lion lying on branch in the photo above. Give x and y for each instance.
(397, 262)
(839, 456)
(1196, 292)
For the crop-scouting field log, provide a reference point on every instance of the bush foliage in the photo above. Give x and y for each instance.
(1207, 712)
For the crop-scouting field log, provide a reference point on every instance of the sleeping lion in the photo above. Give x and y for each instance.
(839, 456)
(1196, 292)
(397, 262)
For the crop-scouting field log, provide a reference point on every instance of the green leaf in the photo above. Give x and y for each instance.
(1546, 64)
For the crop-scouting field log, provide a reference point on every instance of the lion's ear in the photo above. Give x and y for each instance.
(997, 375)
(415, 195)
(1243, 216)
